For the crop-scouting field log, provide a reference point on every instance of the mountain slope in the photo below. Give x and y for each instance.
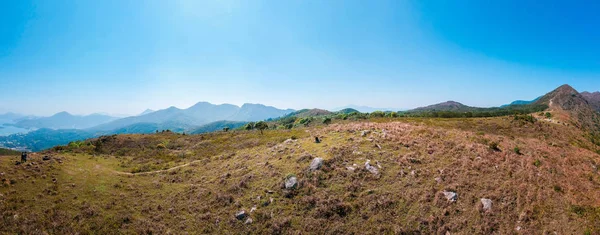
(572, 107)
(446, 106)
(64, 120)
(393, 179)
(593, 99)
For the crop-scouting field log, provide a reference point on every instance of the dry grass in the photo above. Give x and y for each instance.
(553, 186)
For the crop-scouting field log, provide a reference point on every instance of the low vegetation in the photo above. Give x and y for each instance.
(378, 176)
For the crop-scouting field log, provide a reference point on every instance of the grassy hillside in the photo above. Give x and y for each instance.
(541, 177)
(9, 152)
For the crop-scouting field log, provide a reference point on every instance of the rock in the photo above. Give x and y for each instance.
(438, 180)
(253, 209)
(46, 158)
(241, 215)
(289, 141)
(248, 221)
(451, 196)
(365, 133)
(316, 164)
(351, 168)
(487, 204)
(291, 182)
(370, 168)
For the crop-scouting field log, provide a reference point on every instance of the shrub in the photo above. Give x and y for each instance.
(517, 150)
(327, 121)
(261, 126)
(377, 114)
(392, 115)
(525, 118)
(537, 163)
(249, 126)
(548, 115)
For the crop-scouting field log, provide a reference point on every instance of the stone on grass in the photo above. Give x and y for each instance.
(370, 168)
(241, 215)
(316, 164)
(291, 182)
(46, 158)
(248, 221)
(487, 204)
(365, 133)
(451, 196)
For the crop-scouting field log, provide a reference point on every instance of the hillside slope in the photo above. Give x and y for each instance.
(540, 177)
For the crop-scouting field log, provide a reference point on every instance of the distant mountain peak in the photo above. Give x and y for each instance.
(445, 106)
(63, 113)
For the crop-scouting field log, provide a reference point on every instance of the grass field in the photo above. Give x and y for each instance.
(542, 178)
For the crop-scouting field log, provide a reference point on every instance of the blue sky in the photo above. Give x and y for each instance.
(123, 56)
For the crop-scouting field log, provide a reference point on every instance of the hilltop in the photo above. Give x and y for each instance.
(372, 174)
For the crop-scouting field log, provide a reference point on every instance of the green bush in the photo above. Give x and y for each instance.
(327, 121)
(517, 150)
(377, 114)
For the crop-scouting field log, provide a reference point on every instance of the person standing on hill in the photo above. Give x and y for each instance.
(23, 157)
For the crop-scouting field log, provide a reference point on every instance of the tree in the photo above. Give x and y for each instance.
(261, 126)
(327, 121)
(249, 126)
(377, 114)
(226, 129)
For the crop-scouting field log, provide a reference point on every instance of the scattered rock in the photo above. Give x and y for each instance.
(316, 164)
(451, 196)
(370, 168)
(46, 158)
(248, 221)
(438, 180)
(289, 141)
(487, 204)
(291, 182)
(241, 215)
(351, 168)
(253, 209)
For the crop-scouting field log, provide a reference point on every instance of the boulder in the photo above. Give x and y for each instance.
(46, 158)
(365, 133)
(370, 168)
(248, 221)
(316, 164)
(487, 204)
(291, 182)
(241, 215)
(451, 196)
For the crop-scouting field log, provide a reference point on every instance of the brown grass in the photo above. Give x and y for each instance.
(235, 171)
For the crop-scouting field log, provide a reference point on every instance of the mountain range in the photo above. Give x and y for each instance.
(64, 120)
(204, 117)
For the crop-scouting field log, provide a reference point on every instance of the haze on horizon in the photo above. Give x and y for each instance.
(122, 57)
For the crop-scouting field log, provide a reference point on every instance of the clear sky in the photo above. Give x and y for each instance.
(123, 56)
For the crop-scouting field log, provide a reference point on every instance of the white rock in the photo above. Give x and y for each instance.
(316, 164)
(291, 182)
(248, 221)
(365, 133)
(241, 215)
(451, 196)
(487, 204)
(370, 168)
(253, 209)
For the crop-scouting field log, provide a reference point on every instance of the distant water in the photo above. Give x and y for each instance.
(9, 130)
